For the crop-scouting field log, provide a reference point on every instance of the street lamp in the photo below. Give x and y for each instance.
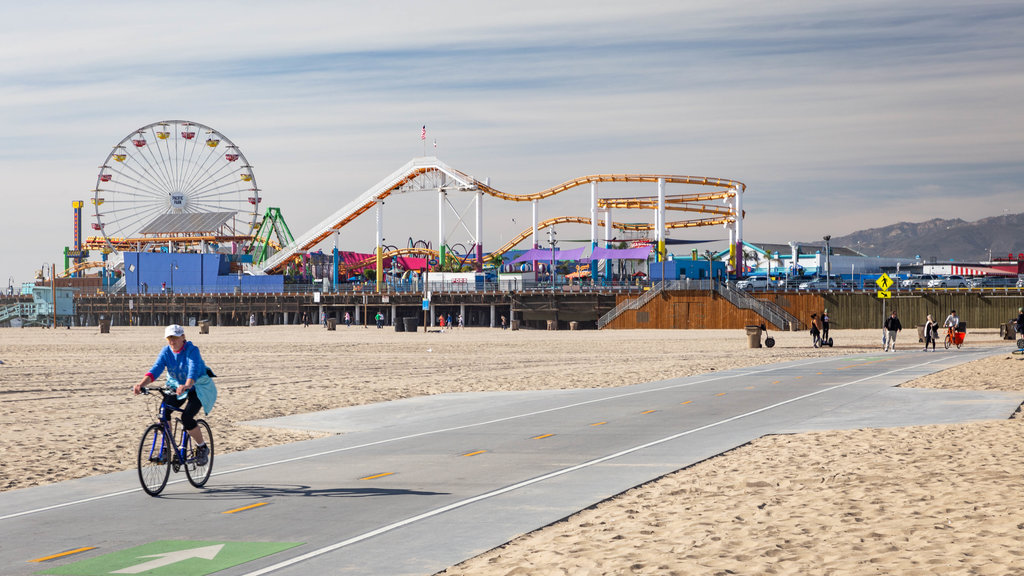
(711, 271)
(828, 264)
(174, 266)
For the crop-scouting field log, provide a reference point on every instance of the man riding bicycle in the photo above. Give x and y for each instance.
(188, 374)
(951, 323)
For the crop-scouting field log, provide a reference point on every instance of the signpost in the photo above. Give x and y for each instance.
(884, 283)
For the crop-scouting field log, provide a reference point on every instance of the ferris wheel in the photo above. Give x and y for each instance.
(175, 179)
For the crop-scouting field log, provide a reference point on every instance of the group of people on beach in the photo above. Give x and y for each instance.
(892, 326)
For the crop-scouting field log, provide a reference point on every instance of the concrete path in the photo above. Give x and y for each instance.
(415, 486)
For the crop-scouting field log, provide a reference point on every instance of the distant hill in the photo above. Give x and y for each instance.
(941, 240)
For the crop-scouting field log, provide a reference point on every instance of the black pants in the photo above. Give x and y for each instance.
(188, 415)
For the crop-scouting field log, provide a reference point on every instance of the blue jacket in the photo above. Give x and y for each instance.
(188, 363)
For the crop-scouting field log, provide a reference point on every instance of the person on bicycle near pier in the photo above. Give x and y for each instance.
(188, 375)
(951, 323)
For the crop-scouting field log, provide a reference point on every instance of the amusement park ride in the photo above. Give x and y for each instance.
(179, 186)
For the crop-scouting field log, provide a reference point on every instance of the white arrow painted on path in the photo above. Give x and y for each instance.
(168, 558)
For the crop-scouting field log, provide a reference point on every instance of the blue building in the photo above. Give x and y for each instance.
(185, 273)
(687, 268)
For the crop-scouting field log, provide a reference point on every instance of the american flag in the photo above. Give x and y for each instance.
(423, 134)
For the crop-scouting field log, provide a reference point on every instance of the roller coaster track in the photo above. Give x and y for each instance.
(617, 225)
(81, 266)
(418, 167)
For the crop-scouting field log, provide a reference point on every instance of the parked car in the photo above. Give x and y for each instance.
(992, 282)
(917, 281)
(753, 283)
(793, 282)
(835, 283)
(952, 281)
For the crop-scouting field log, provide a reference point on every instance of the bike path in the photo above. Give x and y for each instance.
(417, 485)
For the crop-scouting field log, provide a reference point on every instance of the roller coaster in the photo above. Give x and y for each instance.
(720, 207)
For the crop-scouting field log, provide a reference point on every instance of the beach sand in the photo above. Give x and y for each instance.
(917, 500)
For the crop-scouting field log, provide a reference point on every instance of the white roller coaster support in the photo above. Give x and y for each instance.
(593, 227)
(661, 220)
(380, 243)
(441, 240)
(534, 207)
(480, 228)
(607, 241)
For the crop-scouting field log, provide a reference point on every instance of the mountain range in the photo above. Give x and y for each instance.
(941, 240)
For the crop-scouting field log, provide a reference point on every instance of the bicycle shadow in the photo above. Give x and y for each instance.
(244, 492)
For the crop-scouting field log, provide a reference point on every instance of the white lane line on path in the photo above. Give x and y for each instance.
(550, 475)
(732, 374)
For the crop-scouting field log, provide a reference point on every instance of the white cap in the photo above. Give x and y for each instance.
(173, 330)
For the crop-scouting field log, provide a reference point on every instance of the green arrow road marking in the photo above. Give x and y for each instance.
(167, 558)
(172, 558)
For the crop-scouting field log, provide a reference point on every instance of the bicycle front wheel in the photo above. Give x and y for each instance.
(198, 473)
(948, 342)
(154, 459)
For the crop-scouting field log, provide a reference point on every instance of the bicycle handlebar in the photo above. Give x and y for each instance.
(162, 389)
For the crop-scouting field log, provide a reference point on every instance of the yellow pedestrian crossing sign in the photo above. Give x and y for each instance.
(883, 283)
(883, 294)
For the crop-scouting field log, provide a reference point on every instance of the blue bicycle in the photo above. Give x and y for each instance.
(159, 451)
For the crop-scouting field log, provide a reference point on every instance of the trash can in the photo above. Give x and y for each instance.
(399, 324)
(514, 324)
(411, 323)
(104, 326)
(332, 324)
(574, 325)
(753, 336)
(552, 324)
(1008, 330)
(204, 326)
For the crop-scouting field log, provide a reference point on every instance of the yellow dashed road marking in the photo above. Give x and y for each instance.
(62, 554)
(243, 508)
(542, 436)
(475, 453)
(375, 476)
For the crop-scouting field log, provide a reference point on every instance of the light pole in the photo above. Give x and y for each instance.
(828, 264)
(174, 266)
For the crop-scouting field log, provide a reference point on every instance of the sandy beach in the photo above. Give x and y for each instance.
(919, 500)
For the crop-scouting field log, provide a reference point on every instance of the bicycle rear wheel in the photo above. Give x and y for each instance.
(154, 459)
(198, 475)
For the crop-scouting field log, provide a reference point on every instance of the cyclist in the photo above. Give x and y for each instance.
(188, 374)
(951, 323)
(1019, 323)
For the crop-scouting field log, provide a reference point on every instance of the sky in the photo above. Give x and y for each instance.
(838, 116)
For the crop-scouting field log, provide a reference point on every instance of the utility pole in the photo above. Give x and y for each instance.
(828, 264)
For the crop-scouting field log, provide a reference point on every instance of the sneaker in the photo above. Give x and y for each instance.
(202, 455)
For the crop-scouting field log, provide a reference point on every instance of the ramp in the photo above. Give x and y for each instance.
(407, 173)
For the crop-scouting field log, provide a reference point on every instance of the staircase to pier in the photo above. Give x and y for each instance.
(770, 311)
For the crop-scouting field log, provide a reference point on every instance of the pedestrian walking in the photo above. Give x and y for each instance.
(815, 331)
(892, 327)
(931, 333)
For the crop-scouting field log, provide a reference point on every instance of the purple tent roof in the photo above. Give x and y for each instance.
(640, 253)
